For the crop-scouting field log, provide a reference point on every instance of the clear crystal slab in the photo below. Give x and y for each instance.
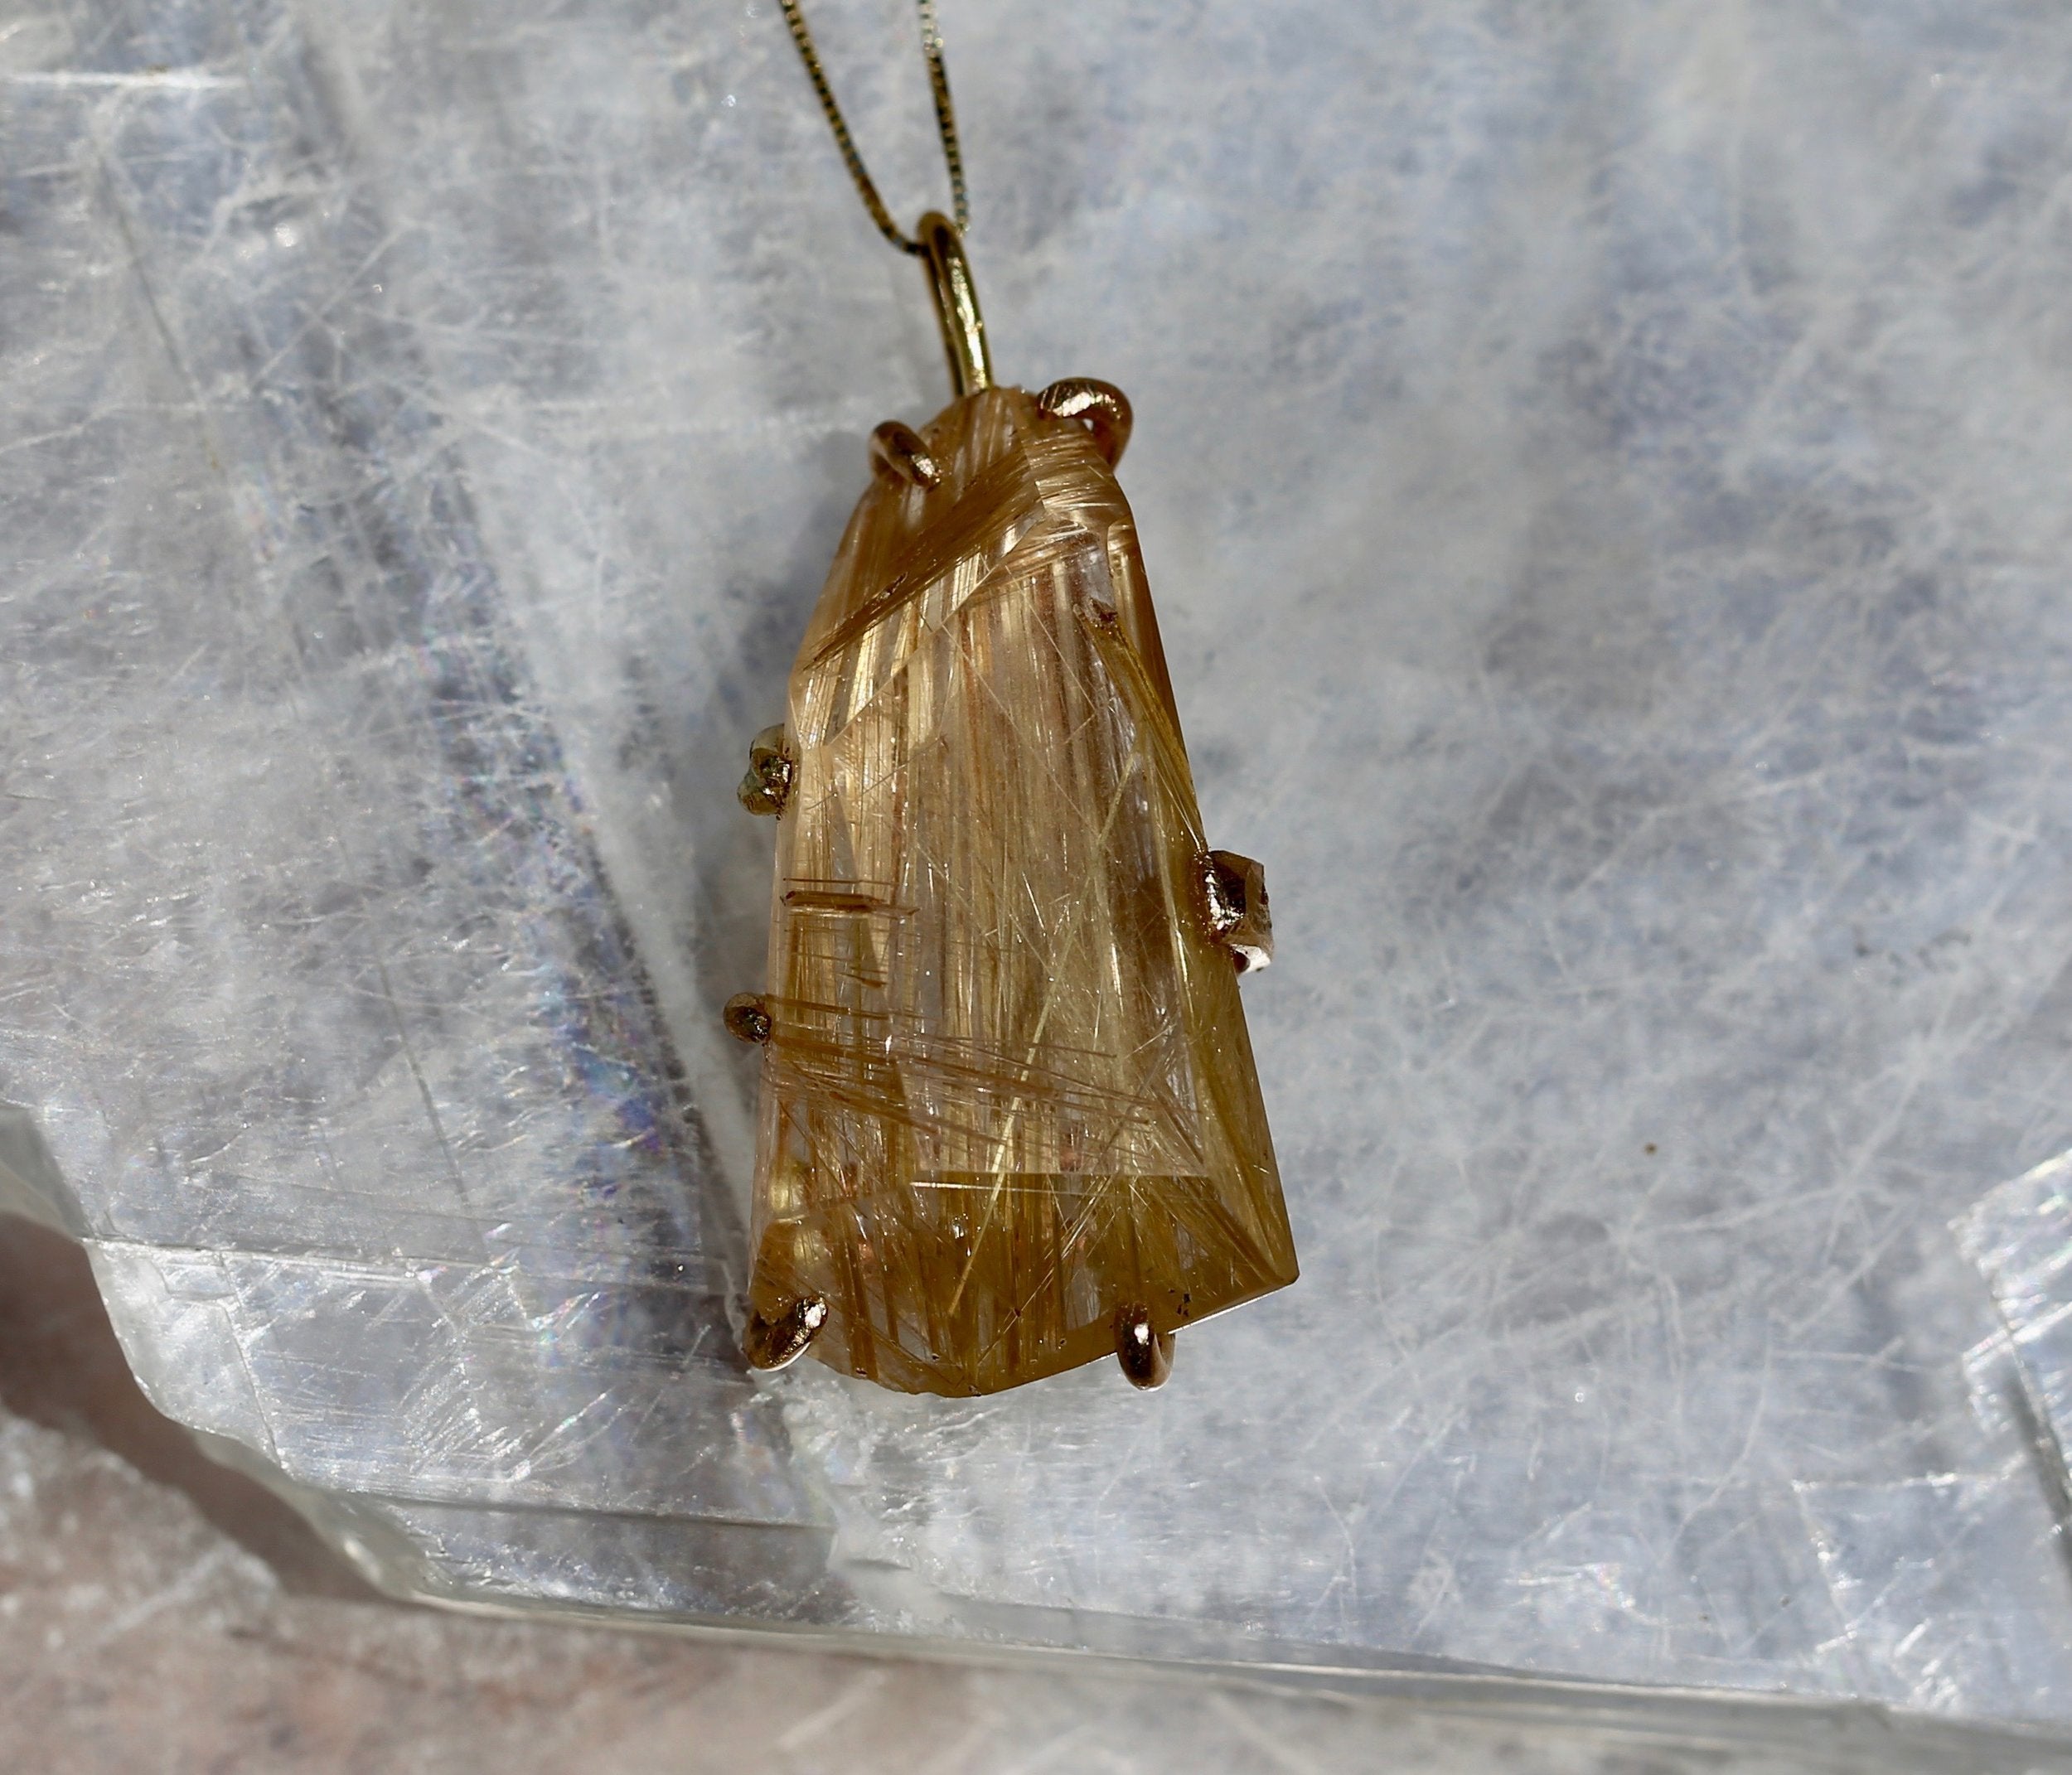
(1599, 479)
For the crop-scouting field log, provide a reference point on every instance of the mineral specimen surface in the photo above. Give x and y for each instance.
(1008, 1098)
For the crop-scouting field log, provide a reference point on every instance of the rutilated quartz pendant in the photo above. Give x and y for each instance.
(1009, 1121)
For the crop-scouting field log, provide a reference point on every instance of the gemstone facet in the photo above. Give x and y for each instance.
(1008, 1107)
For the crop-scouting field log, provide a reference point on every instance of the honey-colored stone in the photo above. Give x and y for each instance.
(1008, 1093)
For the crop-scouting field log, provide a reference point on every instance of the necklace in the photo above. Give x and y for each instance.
(1009, 1121)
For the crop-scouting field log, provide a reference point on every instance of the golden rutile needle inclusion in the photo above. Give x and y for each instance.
(1008, 1097)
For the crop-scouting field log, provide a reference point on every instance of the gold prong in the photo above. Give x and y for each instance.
(767, 784)
(1234, 906)
(1101, 405)
(1145, 1351)
(900, 452)
(771, 1344)
(747, 1017)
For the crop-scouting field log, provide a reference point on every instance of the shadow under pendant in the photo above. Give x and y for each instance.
(1009, 1121)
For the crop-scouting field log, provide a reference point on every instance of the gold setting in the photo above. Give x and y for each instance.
(1102, 406)
(1233, 898)
(747, 1016)
(901, 452)
(1145, 1351)
(769, 1344)
(767, 784)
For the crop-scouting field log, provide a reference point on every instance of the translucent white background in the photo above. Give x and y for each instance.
(1600, 469)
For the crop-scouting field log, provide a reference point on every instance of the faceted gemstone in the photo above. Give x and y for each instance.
(1008, 1095)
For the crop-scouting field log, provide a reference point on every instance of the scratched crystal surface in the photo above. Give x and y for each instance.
(1007, 1092)
(1600, 465)
(2020, 1235)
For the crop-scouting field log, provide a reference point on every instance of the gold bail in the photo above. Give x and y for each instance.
(956, 304)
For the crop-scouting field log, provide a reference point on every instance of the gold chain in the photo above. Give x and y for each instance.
(946, 121)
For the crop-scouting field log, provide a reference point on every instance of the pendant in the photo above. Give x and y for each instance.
(1010, 1121)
